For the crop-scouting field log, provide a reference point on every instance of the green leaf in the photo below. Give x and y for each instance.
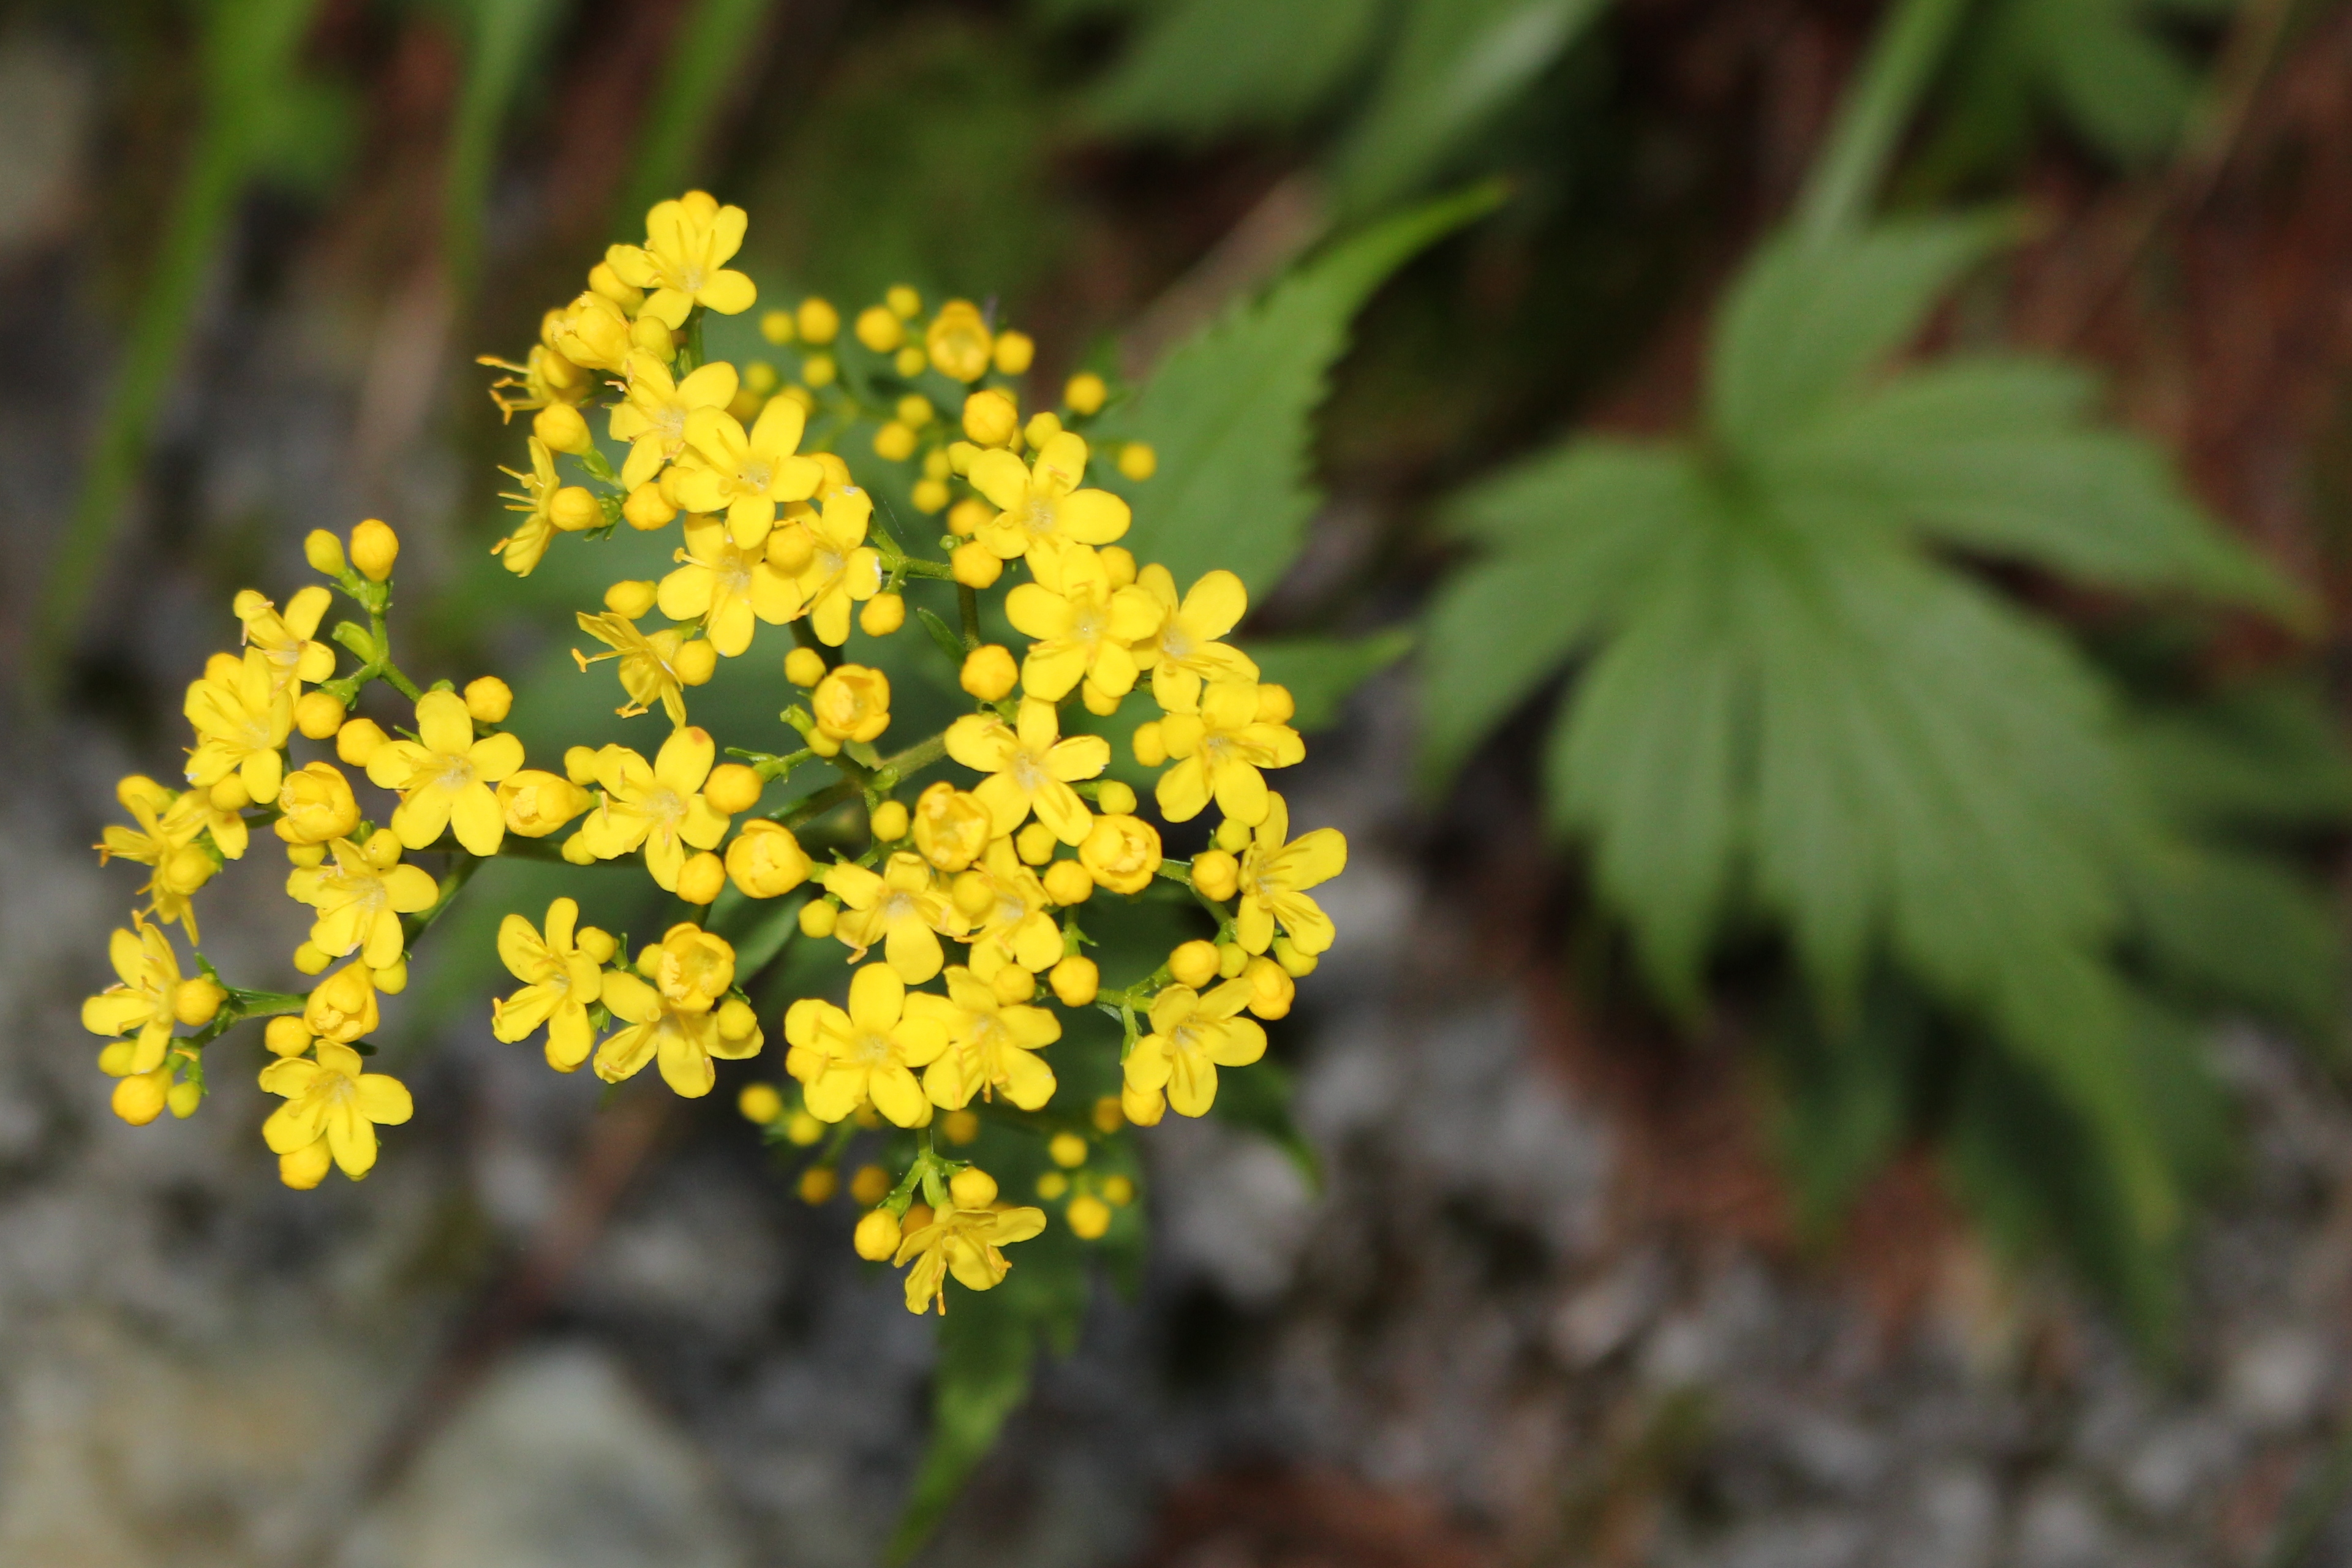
(1323, 672)
(1231, 410)
(943, 637)
(1203, 68)
(503, 40)
(2269, 756)
(715, 44)
(1805, 319)
(1458, 64)
(1577, 527)
(1845, 1090)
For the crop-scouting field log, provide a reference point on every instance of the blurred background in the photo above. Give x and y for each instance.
(1654, 1185)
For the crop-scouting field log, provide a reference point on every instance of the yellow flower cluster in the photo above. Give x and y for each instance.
(974, 884)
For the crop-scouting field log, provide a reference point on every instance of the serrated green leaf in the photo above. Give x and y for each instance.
(2270, 756)
(1203, 68)
(2102, 65)
(1321, 673)
(1231, 410)
(1456, 64)
(1806, 319)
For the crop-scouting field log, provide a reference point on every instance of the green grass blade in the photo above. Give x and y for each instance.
(712, 48)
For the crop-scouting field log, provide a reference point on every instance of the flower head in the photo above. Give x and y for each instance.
(951, 827)
(964, 1239)
(655, 667)
(360, 897)
(851, 703)
(1192, 1035)
(1275, 879)
(1219, 750)
(746, 474)
(683, 263)
(141, 1000)
(445, 776)
(867, 1054)
(242, 718)
(842, 568)
(652, 416)
(316, 805)
(660, 807)
(992, 1047)
(342, 1007)
(766, 861)
(548, 508)
(1029, 767)
(1010, 915)
(900, 909)
(1040, 506)
(561, 976)
(1086, 627)
(537, 803)
(672, 1021)
(332, 1109)
(1184, 651)
(169, 826)
(1121, 853)
(726, 587)
(287, 641)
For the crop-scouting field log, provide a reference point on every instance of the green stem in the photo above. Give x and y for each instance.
(1903, 56)
(968, 601)
(461, 871)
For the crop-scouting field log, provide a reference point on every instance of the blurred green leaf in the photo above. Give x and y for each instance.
(1845, 1093)
(503, 41)
(1231, 409)
(1198, 69)
(714, 45)
(1323, 672)
(1457, 64)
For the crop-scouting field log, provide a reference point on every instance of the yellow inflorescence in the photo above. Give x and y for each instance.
(959, 901)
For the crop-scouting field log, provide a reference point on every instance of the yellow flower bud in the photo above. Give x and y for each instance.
(599, 945)
(393, 979)
(230, 794)
(183, 1098)
(733, 788)
(1108, 1116)
(603, 279)
(969, 516)
(818, 321)
(915, 411)
(876, 1236)
(1085, 394)
(819, 370)
(1120, 851)
(971, 894)
(1013, 985)
(374, 548)
(971, 1188)
(1066, 1150)
(1193, 963)
(889, 822)
(760, 1103)
(1232, 959)
(306, 1167)
(695, 661)
(894, 442)
(307, 855)
(931, 495)
(286, 1036)
(1137, 461)
(1089, 1216)
(1233, 836)
(852, 703)
(1067, 882)
(647, 508)
(802, 1130)
(1099, 702)
(776, 326)
(950, 827)
(1074, 980)
(989, 672)
(1216, 875)
(580, 764)
(869, 1185)
(319, 715)
(489, 699)
(573, 509)
(139, 1099)
(880, 330)
(1043, 427)
(324, 552)
(700, 880)
(909, 362)
(1120, 1190)
(818, 1183)
(1294, 963)
(974, 565)
(342, 1007)
(759, 378)
(1115, 798)
(1271, 990)
(1275, 704)
(1150, 746)
(188, 868)
(318, 804)
(990, 418)
(1052, 1185)
(903, 301)
(745, 405)
(1013, 353)
(817, 917)
(1118, 565)
(959, 1126)
(1034, 843)
(766, 861)
(804, 667)
(959, 340)
(883, 614)
(559, 424)
(195, 1002)
(648, 334)
(1143, 1107)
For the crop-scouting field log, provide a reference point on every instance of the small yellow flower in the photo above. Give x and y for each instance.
(1041, 507)
(287, 641)
(1030, 768)
(746, 474)
(444, 778)
(951, 827)
(330, 1100)
(867, 1054)
(169, 826)
(726, 587)
(958, 340)
(963, 1240)
(851, 703)
(674, 1020)
(537, 803)
(1185, 651)
(559, 981)
(1192, 1035)
(683, 262)
(548, 508)
(842, 568)
(658, 807)
(342, 1007)
(592, 331)
(1219, 750)
(1275, 876)
(1009, 913)
(766, 861)
(242, 718)
(1085, 629)
(316, 805)
(900, 909)
(992, 1047)
(655, 667)
(544, 378)
(361, 897)
(652, 417)
(141, 1000)
(1121, 853)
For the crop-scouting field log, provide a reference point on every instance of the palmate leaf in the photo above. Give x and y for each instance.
(1794, 704)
